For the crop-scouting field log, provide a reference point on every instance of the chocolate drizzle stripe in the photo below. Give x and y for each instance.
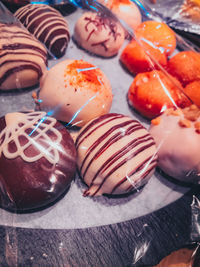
(44, 19)
(13, 34)
(19, 61)
(138, 168)
(111, 141)
(18, 69)
(22, 53)
(130, 188)
(43, 25)
(52, 31)
(103, 137)
(18, 46)
(110, 117)
(53, 41)
(120, 164)
(120, 153)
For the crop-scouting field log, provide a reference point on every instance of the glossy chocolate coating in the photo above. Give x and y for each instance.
(47, 25)
(27, 185)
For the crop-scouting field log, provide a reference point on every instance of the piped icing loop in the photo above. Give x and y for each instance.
(31, 126)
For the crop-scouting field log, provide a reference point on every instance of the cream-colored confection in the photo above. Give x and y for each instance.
(22, 58)
(75, 91)
(116, 155)
(177, 137)
(128, 12)
(99, 35)
(125, 10)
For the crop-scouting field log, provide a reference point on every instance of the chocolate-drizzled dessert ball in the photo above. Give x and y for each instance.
(116, 155)
(47, 25)
(37, 161)
(22, 58)
(98, 34)
(75, 91)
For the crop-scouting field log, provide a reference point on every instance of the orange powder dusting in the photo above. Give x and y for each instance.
(118, 2)
(79, 76)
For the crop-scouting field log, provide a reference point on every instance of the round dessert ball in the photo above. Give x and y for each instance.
(99, 34)
(177, 135)
(23, 59)
(37, 161)
(158, 35)
(193, 91)
(47, 25)
(75, 91)
(152, 92)
(137, 58)
(127, 11)
(116, 155)
(185, 66)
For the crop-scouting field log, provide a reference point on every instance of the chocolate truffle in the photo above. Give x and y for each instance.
(37, 161)
(22, 58)
(47, 25)
(75, 91)
(116, 155)
(98, 34)
(177, 137)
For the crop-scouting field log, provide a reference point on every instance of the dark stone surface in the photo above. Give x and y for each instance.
(140, 242)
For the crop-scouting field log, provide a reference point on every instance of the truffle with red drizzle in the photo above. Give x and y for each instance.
(116, 155)
(99, 35)
(37, 161)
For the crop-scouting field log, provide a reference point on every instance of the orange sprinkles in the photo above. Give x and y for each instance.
(81, 72)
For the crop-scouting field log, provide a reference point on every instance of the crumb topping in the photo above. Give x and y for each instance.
(189, 117)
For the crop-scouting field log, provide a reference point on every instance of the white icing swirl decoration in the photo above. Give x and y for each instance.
(18, 126)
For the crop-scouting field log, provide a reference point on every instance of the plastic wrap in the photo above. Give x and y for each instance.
(117, 202)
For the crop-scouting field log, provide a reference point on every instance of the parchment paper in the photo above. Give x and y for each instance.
(73, 210)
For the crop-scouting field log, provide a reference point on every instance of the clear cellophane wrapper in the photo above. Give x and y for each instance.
(76, 214)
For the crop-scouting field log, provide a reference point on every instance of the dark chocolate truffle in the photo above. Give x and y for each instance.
(23, 59)
(47, 25)
(37, 161)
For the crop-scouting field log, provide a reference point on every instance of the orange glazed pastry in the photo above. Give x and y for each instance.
(153, 92)
(193, 91)
(136, 59)
(185, 66)
(157, 34)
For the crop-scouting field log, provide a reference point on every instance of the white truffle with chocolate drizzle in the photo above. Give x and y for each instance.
(116, 155)
(99, 35)
(22, 58)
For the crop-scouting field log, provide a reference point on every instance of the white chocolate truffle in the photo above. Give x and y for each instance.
(22, 58)
(116, 155)
(99, 35)
(177, 137)
(75, 91)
